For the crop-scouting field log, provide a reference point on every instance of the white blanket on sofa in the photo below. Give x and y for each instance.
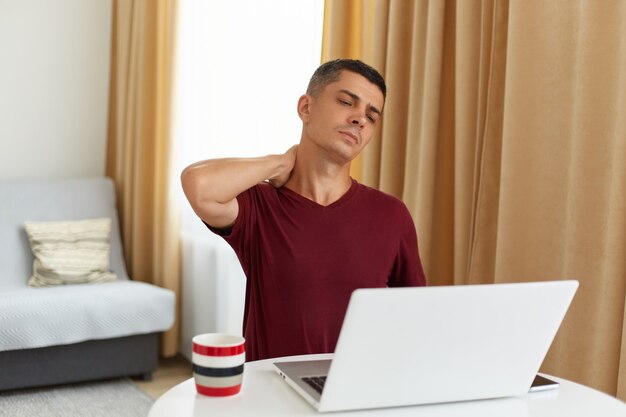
(39, 317)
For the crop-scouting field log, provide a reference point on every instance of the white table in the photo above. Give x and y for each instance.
(264, 393)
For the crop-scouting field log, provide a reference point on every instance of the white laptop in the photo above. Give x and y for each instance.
(408, 346)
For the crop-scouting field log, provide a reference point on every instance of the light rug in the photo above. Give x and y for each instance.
(113, 398)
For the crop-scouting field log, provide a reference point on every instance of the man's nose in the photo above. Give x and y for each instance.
(357, 120)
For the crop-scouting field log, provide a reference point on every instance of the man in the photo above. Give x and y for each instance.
(306, 233)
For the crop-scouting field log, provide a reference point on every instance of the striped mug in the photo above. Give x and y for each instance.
(217, 360)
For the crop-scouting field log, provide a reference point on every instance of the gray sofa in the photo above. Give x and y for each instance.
(71, 333)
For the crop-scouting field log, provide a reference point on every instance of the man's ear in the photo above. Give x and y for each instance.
(304, 107)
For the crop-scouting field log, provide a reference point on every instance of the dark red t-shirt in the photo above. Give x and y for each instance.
(303, 260)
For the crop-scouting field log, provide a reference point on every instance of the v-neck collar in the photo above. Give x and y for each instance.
(345, 197)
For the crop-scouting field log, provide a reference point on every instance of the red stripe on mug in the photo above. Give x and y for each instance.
(218, 392)
(219, 351)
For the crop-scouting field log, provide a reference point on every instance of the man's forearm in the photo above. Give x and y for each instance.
(212, 186)
(221, 180)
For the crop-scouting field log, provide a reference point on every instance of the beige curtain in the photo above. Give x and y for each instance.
(138, 149)
(505, 134)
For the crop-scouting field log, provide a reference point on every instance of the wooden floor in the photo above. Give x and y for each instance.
(171, 372)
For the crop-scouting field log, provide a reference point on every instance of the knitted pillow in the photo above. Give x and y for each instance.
(69, 252)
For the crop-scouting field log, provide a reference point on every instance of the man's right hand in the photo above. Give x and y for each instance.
(287, 168)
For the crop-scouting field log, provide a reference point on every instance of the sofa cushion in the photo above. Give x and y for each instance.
(70, 252)
(59, 315)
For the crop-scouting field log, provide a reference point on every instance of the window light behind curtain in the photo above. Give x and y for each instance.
(241, 67)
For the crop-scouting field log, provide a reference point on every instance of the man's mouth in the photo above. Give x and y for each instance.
(353, 136)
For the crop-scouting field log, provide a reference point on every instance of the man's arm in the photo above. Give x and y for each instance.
(212, 186)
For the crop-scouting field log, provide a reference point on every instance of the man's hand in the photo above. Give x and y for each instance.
(289, 161)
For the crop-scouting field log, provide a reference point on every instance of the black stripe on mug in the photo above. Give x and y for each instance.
(201, 370)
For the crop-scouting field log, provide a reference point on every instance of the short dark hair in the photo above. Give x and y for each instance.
(330, 71)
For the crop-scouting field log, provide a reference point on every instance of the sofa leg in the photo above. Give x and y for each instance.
(146, 376)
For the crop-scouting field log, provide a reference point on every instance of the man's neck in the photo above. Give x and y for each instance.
(320, 181)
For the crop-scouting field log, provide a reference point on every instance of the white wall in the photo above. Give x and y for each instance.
(54, 85)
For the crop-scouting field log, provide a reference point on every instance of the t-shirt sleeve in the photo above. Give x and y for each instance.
(407, 268)
(238, 235)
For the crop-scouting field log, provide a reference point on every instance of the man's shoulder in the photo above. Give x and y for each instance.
(377, 197)
(259, 195)
(263, 189)
(379, 206)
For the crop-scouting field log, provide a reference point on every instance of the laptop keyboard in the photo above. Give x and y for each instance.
(316, 382)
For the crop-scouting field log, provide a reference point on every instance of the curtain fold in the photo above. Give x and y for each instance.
(505, 135)
(138, 146)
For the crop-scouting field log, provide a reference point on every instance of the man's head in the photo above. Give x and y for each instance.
(341, 109)
(330, 71)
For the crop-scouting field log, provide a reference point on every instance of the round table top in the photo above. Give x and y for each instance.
(264, 393)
